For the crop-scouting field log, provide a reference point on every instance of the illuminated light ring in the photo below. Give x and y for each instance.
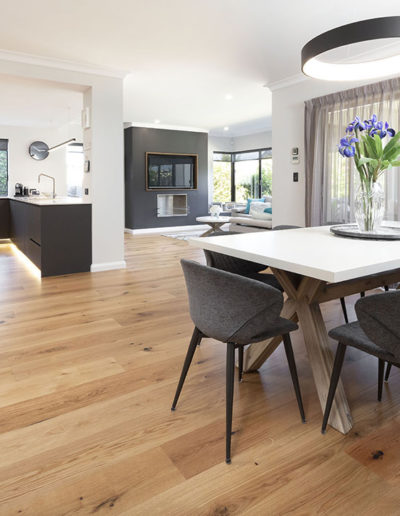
(357, 32)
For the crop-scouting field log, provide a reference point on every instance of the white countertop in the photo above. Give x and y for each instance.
(48, 201)
(314, 252)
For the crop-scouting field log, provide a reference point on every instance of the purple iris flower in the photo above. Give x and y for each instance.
(346, 148)
(356, 124)
(391, 132)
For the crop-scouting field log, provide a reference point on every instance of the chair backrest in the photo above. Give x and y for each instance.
(284, 226)
(379, 317)
(228, 263)
(231, 264)
(228, 307)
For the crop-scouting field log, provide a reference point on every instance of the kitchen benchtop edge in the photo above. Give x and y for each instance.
(62, 201)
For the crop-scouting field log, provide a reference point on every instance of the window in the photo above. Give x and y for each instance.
(240, 175)
(3, 167)
(222, 177)
(75, 159)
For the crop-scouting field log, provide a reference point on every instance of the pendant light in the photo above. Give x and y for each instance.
(358, 32)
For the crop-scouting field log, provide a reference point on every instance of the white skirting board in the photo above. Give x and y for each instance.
(107, 266)
(165, 230)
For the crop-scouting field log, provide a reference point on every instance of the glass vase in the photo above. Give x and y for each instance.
(369, 206)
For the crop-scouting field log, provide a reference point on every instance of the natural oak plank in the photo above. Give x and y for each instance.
(109, 442)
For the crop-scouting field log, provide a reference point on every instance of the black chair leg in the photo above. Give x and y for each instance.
(386, 287)
(293, 373)
(195, 340)
(240, 352)
(337, 367)
(362, 294)
(344, 309)
(230, 375)
(381, 369)
(388, 369)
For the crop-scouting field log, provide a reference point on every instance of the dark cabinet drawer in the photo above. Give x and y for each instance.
(33, 251)
(33, 223)
(18, 224)
(4, 218)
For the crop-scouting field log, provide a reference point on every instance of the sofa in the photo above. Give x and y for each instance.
(243, 222)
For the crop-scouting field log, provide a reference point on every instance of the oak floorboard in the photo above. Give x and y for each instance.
(101, 439)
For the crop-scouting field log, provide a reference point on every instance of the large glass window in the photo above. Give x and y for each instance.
(75, 165)
(3, 166)
(222, 177)
(240, 175)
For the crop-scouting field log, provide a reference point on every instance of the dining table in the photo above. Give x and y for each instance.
(313, 266)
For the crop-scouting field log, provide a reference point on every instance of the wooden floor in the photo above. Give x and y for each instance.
(89, 365)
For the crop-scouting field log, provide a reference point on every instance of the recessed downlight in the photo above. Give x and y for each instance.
(156, 121)
(226, 128)
(229, 96)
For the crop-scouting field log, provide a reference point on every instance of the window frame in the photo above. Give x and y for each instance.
(69, 148)
(232, 155)
(6, 141)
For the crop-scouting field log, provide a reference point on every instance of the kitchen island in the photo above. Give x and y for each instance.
(55, 234)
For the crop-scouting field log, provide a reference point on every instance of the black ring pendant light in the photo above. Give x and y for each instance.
(365, 30)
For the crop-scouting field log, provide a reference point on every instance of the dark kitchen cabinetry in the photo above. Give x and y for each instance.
(56, 238)
(4, 218)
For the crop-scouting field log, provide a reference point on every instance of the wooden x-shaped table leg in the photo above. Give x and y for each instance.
(302, 304)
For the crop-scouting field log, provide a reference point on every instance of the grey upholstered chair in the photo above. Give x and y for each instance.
(237, 311)
(241, 267)
(376, 332)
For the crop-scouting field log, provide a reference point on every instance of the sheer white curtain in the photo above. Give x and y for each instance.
(332, 179)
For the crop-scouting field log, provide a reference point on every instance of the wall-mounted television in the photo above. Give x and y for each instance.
(167, 171)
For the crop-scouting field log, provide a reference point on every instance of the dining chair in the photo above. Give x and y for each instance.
(245, 268)
(377, 332)
(236, 311)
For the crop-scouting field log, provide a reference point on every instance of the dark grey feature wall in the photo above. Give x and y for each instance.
(140, 205)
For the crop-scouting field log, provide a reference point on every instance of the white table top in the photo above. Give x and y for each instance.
(209, 218)
(313, 252)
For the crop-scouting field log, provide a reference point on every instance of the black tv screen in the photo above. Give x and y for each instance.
(171, 171)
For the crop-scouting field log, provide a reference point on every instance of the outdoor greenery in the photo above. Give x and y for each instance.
(247, 186)
(3, 173)
(222, 181)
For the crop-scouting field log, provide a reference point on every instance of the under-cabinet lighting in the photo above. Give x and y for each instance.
(35, 271)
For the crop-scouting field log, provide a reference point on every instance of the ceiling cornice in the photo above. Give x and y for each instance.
(61, 64)
(288, 81)
(165, 126)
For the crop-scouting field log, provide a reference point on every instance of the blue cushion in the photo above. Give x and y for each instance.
(268, 210)
(249, 201)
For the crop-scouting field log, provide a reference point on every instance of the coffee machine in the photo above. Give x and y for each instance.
(19, 190)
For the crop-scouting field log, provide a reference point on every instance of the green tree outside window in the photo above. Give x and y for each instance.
(3, 173)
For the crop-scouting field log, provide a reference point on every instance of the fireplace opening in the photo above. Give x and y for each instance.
(172, 205)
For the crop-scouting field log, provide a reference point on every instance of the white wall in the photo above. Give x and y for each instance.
(106, 151)
(288, 124)
(253, 141)
(23, 169)
(234, 144)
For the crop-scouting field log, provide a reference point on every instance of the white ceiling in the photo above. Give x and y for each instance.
(185, 55)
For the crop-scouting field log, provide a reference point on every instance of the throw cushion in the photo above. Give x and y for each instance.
(268, 210)
(257, 211)
(249, 201)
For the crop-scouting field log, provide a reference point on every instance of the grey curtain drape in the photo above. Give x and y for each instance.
(330, 178)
